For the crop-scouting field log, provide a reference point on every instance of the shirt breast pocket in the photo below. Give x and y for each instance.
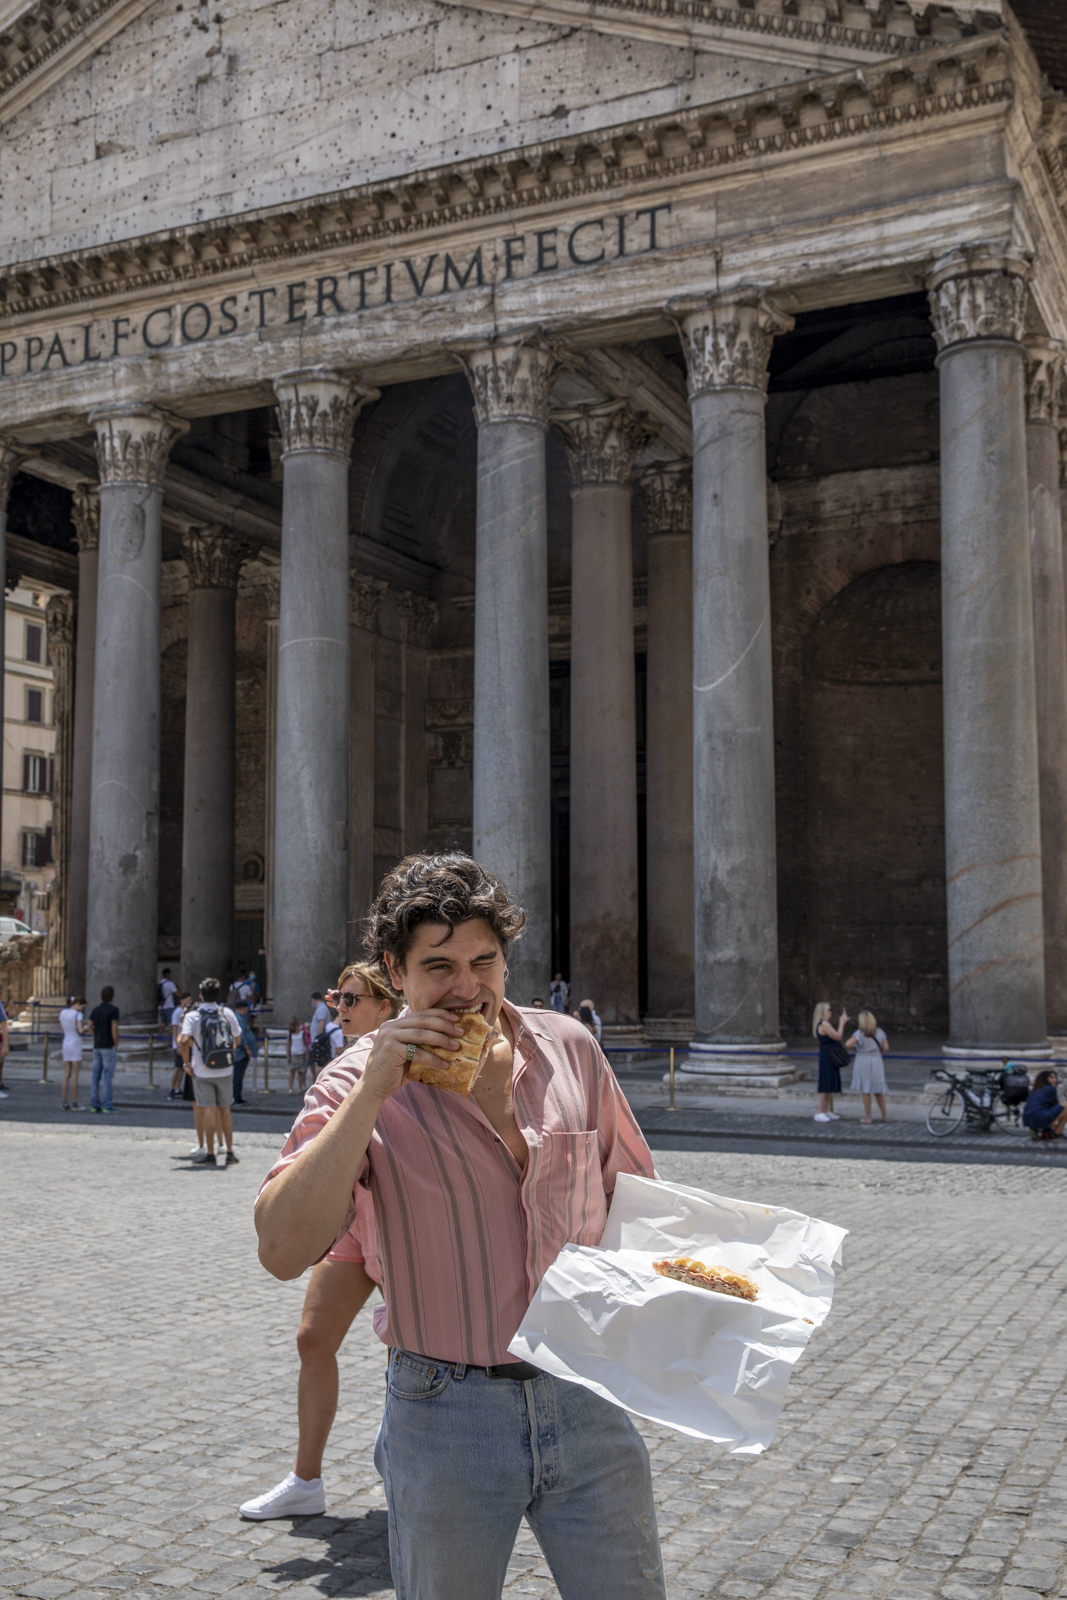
(576, 1184)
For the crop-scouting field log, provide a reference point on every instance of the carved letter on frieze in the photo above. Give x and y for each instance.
(133, 443)
(1044, 380)
(317, 410)
(419, 617)
(667, 495)
(85, 514)
(365, 596)
(727, 338)
(10, 456)
(979, 292)
(602, 441)
(213, 557)
(510, 377)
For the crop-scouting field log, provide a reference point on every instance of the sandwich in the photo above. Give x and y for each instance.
(461, 1066)
(719, 1279)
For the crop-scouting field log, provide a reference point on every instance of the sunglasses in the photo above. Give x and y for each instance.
(350, 999)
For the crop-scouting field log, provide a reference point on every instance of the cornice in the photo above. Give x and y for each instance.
(790, 120)
(42, 40)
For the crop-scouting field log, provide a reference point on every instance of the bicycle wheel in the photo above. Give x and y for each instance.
(1009, 1119)
(946, 1114)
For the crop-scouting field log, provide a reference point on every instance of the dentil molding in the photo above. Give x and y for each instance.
(979, 292)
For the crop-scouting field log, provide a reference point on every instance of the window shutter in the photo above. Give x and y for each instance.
(26, 774)
(44, 848)
(33, 642)
(51, 781)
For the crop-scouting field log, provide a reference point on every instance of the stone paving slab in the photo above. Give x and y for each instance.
(147, 1386)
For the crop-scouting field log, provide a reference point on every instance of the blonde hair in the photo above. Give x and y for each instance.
(868, 1022)
(820, 1014)
(370, 973)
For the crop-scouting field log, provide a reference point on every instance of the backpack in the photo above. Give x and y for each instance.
(1014, 1084)
(321, 1050)
(159, 992)
(216, 1041)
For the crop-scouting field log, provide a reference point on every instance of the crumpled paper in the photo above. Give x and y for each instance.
(712, 1366)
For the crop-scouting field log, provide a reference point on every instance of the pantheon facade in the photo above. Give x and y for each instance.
(622, 438)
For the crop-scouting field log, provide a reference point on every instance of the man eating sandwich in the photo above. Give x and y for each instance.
(506, 1150)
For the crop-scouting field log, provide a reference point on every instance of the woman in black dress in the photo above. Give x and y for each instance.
(829, 1071)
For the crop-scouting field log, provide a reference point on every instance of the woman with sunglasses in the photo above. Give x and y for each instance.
(340, 1285)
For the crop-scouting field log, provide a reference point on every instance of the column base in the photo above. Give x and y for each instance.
(742, 1066)
(623, 1036)
(998, 1052)
(670, 1030)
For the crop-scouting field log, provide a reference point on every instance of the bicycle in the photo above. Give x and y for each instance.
(982, 1105)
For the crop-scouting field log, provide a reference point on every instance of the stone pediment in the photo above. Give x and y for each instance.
(819, 35)
(42, 40)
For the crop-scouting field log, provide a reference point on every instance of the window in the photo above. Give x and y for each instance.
(37, 849)
(37, 774)
(34, 639)
(34, 705)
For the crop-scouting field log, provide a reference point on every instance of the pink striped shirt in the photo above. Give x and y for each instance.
(463, 1234)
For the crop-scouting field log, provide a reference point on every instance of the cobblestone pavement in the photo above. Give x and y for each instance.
(147, 1382)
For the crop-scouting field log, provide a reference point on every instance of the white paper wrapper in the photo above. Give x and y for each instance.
(707, 1364)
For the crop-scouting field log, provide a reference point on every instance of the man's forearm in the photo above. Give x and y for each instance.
(301, 1211)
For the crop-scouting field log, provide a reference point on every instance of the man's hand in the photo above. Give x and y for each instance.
(388, 1066)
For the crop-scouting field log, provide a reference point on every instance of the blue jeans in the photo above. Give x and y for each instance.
(465, 1457)
(103, 1065)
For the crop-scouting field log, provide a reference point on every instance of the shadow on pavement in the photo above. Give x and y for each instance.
(353, 1554)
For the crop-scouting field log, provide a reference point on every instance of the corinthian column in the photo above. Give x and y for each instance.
(667, 491)
(727, 342)
(213, 559)
(510, 380)
(317, 410)
(996, 964)
(51, 978)
(273, 592)
(86, 516)
(10, 456)
(1044, 374)
(364, 599)
(132, 445)
(602, 441)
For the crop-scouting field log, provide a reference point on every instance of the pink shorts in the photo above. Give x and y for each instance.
(358, 1243)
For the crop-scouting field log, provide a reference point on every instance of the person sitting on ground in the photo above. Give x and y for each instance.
(338, 1288)
(1043, 1114)
(829, 1084)
(70, 1020)
(297, 1051)
(868, 1073)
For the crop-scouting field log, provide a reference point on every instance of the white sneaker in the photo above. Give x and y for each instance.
(833, 1116)
(821, 1116)
(293, 1497)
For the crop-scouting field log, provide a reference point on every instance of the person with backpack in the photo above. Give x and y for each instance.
(166, 995)
(208, 1043)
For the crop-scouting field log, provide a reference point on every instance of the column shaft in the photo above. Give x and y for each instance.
(273, 586)
(87, 523)
(10, 456)
(1044, 369)
(132, 445)
(992, 820)
(317, 411)
(727, 340)
(669, 741)
(210, 729)
(365, 596)
(51, 978)
(512, 773)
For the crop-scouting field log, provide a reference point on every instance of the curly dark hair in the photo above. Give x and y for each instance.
(450, 888)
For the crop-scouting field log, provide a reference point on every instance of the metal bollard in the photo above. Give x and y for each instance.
(672, 1106)
(151, 1058)
(266, 1062)
(44, 1068)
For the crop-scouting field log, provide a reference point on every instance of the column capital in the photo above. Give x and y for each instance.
(365, 595)
(85, 514)
(213, 557)
(59, 617)
(602, 441)
(317, 410)
(510, 377)
(979, 292)
(667, 495)
(1044, 380)
(419, 617)
(727, 337)
(11, 455)
(133, 443)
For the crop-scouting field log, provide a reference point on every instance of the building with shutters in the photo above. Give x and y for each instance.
(621, 438)
(29, 758)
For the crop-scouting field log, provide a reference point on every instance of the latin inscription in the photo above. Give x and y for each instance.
(588, 243)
